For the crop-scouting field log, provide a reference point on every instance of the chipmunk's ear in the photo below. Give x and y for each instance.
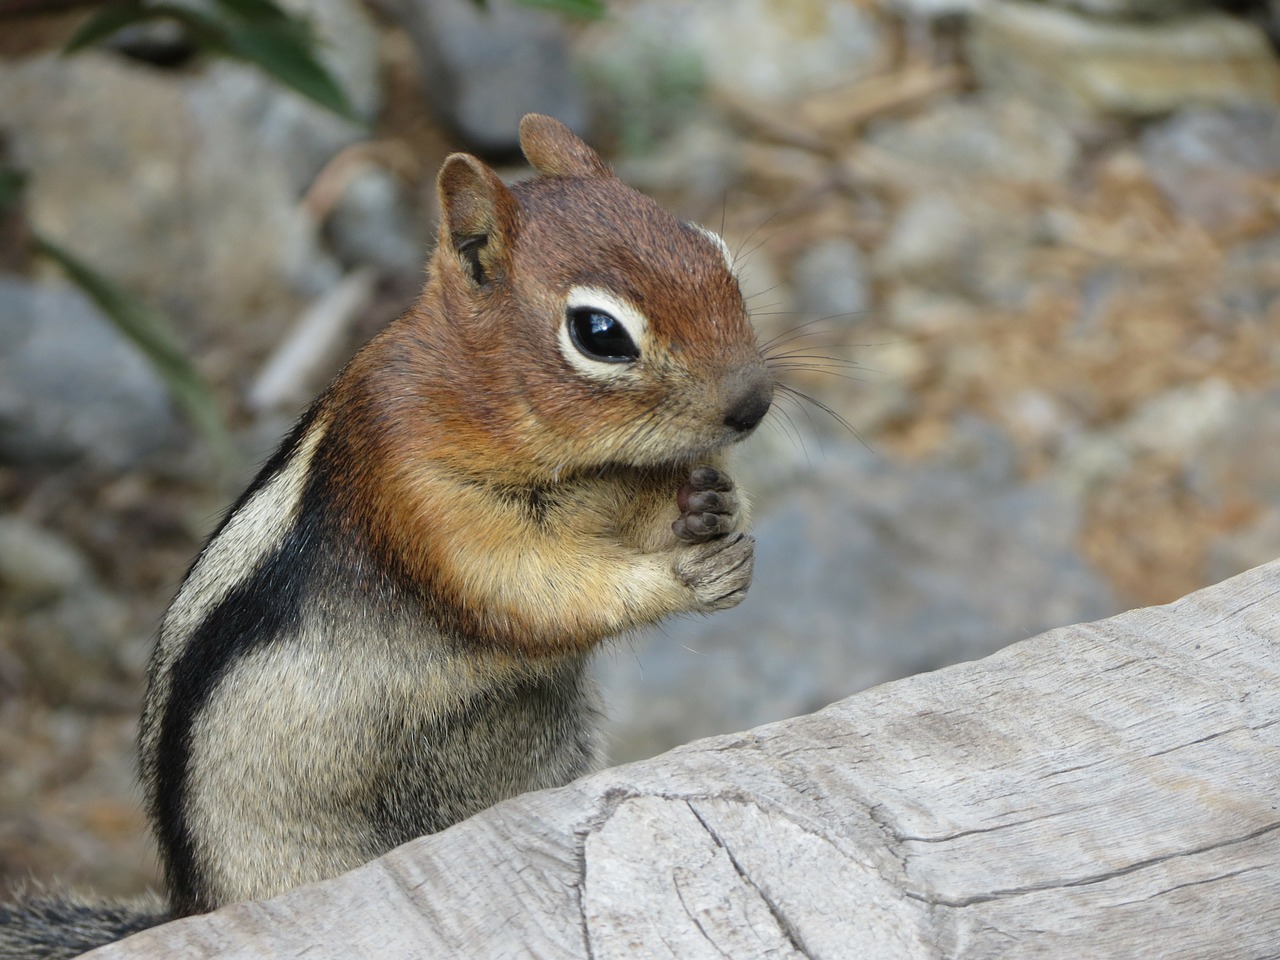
(554, 150)
(479, 217)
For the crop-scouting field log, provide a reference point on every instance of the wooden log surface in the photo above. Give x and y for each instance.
(1103, 790)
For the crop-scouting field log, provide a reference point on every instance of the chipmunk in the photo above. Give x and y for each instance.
(390, 630)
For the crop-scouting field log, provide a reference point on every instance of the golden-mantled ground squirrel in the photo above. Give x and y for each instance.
(390, 629)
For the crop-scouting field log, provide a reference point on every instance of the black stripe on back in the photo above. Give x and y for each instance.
(261, 608)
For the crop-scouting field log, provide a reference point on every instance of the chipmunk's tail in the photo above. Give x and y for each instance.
(51, 925)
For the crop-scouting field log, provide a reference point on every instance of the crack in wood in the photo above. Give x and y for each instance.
(697, 921)
(785, 927)
(1242, 608)
(1190, 883)
(1089, 880)
(959, 834)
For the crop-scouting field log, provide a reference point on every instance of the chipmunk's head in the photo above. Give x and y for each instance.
(599, 328)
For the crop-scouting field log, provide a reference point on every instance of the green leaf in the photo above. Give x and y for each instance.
(205, 31)
(288, 58)
(585, 9)
(260, 11)
(106, 21)
(258, 32)
(153, 335)
(12, 184)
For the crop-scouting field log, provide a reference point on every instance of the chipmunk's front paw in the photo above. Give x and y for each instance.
(718, 572)
(709, 506)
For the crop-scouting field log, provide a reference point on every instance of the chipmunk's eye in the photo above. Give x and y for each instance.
(600, 336)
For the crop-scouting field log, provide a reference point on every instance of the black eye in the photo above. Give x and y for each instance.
(600, 336)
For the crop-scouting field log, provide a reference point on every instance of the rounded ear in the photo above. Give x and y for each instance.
(554, 150)
(479, 217)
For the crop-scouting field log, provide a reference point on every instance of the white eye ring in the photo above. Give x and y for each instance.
(595, 300)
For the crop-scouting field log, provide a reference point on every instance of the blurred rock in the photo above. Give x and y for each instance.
(914, 310)
(932, 9)
(956, 242)
(76, 650)
(929, 241)
(1256, 543)
(1087, 460)
(702, 157)
(185, 187)
(994, 138)
(371, 224)
(1180, 421)
(71, 385)
(1084, 66)
(865, 571)
(1132, 9)
(71, 640)
(1213, 164)
(486, 66)
(1241, 461)
(36, 565)
(830, 279)
(1251, 279)
(751, 49)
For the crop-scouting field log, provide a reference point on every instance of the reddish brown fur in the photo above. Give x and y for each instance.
(468, 398)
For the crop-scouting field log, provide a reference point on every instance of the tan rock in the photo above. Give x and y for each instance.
(1083, 66)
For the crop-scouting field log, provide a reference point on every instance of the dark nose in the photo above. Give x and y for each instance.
(750, 392)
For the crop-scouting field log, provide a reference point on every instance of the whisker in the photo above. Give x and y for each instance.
(786, 333)
(797, 355)
(822, 370)
(825, 408)
(794, 433)
(747, 239)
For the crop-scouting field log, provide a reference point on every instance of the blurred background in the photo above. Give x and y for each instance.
(1022, 257)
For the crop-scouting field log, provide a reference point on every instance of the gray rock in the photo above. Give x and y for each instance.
(1085, 66)
(37, 565)
(988, 137)
(751, 49)
(1251, 284)
(701, 154)
(1241, 460)
(831, 279)
(1254, 544)
(185, 187)
(370, 224)
(865, 572)
(1208, 162)
(1179, 422)
(75, 650)
(1087, 459)
(485, 68)
(932, 9)
(71, 385)
(954, 241)
(915, 310)
(930, 241)
(1133, 9)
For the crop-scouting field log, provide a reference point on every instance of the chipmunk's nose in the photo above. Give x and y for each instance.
(750, 393)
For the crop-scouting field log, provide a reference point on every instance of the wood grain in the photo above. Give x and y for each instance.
(1103, 790)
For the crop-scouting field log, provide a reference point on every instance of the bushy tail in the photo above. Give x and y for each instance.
(53, 925)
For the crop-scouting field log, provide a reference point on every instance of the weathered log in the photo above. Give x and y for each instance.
(1103, 790)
